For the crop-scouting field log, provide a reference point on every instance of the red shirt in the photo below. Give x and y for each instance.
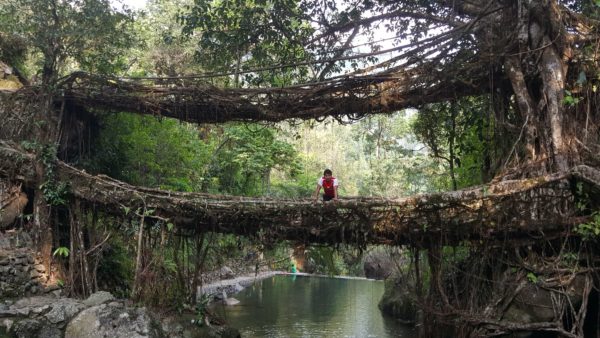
(328, 186)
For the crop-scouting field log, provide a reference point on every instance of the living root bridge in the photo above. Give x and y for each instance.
(199, 102)
(508, 209)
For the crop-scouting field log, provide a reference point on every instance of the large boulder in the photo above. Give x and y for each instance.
(100, 315)
(35, 328)
(398, 299)
(536, 304)
(52, 317)
(379, 264)
(39, 316)
(226, 273)
(98, 298)
(63, 310)
(54, 310)
(12, 204)
(115, 321)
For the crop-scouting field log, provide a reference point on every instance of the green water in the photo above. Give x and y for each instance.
(300, 306)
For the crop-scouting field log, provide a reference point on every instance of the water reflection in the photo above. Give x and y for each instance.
(300, 306)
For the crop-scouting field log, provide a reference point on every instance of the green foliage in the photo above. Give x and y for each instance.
(588, 231)
(87, 35)
(591, 230)
(13, 49)
(61, 251)
(169, 265)
(582, 197)
(453, 255)
(325, 260)
(532, 277)
(243, 161)
(461, 135)
(377, 156)
(146, 151)
(55, 192)
(569, 259)
(227, 247)
(29, 145)
(387, 147)
(116, 267)
(166, 52)
(569, 99)
(202, 310)
(236, 159)
(247, 34)
(276, 254)
(590, 8)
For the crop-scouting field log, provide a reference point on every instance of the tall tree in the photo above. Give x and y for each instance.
(166, 51)
(237, 37)
(90, 33)
(243, 162)
(67, 35)
(523, 54)
(460, 135)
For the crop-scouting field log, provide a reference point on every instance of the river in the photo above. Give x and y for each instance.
(303, 306)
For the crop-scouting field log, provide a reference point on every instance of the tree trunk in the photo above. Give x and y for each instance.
(554, 83)
(138, 260)
(43, 230)
(526, 107)
(45, 138)
(451, 140)
(540, 97)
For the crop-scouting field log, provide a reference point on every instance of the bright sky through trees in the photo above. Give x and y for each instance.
(133, 4)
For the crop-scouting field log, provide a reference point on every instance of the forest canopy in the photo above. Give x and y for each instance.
(277, 60)
(494, 95)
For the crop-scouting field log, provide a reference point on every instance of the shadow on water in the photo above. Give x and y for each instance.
(3, 333)
(301, 306)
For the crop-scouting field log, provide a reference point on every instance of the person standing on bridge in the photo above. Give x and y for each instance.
(329, 185)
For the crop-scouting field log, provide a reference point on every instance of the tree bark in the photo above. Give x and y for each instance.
(526, 106)
(45, 138)
(138, 260)
(551, 70)
(541, 106)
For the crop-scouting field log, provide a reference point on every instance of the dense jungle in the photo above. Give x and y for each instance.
(147, 152)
